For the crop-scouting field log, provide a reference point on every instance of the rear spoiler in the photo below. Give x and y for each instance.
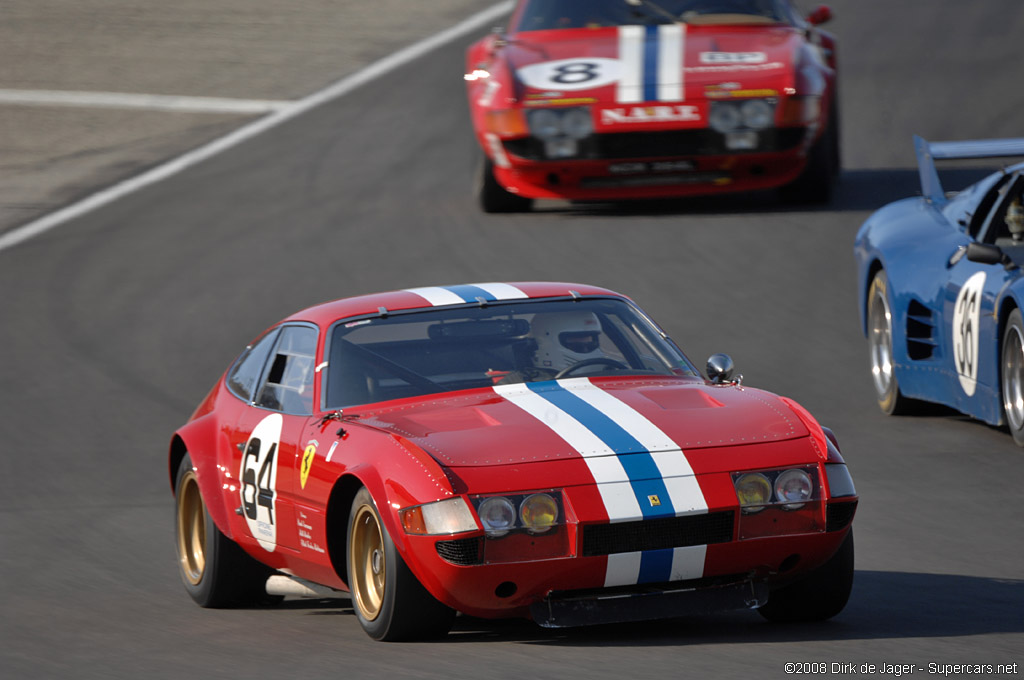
(929, 152)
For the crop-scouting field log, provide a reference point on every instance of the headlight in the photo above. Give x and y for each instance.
(757, 114)
(741, 114)
(793, 488)
(573, 123)
(724, 116)
(754, 491)
(450, 516)
(577, 123)
(498, 515)
(539, 512)
(788, 489)
(545, 123)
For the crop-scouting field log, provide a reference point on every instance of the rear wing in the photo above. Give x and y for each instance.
(929, 152)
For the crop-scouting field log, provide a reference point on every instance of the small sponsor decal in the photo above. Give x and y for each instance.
(723, 92)
(306, 533)
(651, 114)
(654, 500)
(719, 58)
(565, 101)
(640, 167)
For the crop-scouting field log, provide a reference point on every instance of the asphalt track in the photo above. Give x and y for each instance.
(117, 323)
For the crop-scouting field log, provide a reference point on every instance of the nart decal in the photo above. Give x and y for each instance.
(651, 114)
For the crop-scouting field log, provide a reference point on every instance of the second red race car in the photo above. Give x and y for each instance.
(628, 99)
(501, 450)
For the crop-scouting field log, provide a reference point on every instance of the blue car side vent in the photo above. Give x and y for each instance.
(921, 343)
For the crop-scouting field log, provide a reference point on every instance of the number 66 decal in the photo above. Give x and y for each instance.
(259, 480)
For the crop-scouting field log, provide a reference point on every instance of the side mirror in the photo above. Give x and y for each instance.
(720, 369)
(986, 253)
(820, 15)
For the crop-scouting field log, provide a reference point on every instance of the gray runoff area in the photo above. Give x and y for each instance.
(93, 92)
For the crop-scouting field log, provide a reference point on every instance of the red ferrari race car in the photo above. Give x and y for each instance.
(626, 99)
(535, 450)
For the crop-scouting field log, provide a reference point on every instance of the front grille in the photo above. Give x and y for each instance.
(461, 551)
(839, 515)
(660, 144)
(658, 534)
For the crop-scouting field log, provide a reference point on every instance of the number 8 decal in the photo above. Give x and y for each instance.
(571, 74)
(966, 315)
(259, 480)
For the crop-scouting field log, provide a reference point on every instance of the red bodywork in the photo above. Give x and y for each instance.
(413, 451)
(649, 140)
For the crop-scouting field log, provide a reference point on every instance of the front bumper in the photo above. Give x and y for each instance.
(653, 165)
(573, 588)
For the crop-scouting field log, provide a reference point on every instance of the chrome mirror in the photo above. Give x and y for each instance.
(720, 369)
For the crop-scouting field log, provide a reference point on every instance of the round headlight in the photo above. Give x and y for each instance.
(757, 114)
(539, 512)
(793, 488)
(724, 116)
(545, 123)
(498, 515)
(577, 123)
(754, 491)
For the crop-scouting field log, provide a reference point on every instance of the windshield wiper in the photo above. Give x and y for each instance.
(655, 7)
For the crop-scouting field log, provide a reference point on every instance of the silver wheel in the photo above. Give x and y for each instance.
(1012, 376)
(880, 340)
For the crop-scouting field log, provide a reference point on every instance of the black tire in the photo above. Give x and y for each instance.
(215, 571)
(1011, 375)
(818, 596)
(815, 183)
(390, 603)
(493, 197)
(879, 327)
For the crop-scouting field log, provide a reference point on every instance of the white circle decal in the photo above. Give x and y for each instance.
(259, 480)
(571, 74)
(965, 332)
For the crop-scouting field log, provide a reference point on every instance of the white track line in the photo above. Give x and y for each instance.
(257, 127)
(153, 102)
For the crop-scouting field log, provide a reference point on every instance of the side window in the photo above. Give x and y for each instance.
(246, 372)
(288, 384)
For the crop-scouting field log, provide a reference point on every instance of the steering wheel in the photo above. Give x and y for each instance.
(596, 361)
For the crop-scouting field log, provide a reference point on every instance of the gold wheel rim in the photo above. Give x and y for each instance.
(367, 563)
(191, 529)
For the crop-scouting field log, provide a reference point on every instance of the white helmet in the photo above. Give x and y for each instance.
(564, 339)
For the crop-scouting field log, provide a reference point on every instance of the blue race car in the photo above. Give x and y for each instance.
(940, 288)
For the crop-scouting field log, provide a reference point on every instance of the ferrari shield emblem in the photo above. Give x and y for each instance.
(307, 463)
(654, 500)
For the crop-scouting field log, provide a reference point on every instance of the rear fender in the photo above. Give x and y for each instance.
(209, 448)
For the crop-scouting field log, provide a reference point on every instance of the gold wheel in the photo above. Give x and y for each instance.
(191, 529)
(367, 562)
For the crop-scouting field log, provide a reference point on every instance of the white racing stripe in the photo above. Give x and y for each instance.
(631, 57)
(612, 481)
(671, 48)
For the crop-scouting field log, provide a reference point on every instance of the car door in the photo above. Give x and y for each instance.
(268, 436)
(971, 326)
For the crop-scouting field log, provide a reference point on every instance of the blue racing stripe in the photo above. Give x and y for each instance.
(651, 64)
(470, 293)
(643, 473)
(655, 566)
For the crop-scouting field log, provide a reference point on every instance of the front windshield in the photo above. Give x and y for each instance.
(442, 350)
(549, 14)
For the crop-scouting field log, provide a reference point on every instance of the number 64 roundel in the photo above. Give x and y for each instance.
(259, 480)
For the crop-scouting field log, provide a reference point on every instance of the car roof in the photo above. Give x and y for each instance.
(429, 297)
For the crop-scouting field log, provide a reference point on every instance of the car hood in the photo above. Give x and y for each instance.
(702, 61)
(556, 421)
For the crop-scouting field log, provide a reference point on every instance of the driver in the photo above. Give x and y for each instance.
(565, 339)
(1015, 220)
